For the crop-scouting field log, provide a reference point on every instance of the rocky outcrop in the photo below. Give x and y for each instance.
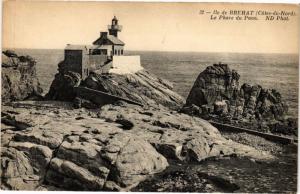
(62, 87)
(70, 150)
(19, 79)
(176, 136)
(58, 147)
(216, 92)
(215, 83)
(140, 87)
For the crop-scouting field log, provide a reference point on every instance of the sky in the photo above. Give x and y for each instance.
(147, 26)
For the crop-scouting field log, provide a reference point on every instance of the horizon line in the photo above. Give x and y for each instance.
(134, 50)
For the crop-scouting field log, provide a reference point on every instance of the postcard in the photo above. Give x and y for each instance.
(149, 96)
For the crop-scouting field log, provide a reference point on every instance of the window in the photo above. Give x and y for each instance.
(86, 71)
(115, 52)
(122, 52)
(103, 51)
(95, 51)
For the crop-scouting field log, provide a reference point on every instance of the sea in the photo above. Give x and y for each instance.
(273, 71)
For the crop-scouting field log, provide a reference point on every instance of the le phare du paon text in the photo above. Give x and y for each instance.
(248, 15)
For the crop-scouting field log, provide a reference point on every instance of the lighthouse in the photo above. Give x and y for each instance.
(108, 43)
(114, 28)
(105, 55)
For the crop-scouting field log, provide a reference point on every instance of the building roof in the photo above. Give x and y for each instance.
(108, 39)
(115, 40)
(77, 47)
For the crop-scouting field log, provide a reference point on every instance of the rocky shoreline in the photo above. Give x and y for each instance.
(227, 175)
(231, 174)
(68, 141)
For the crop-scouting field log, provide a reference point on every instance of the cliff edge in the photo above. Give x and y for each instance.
(19, 79)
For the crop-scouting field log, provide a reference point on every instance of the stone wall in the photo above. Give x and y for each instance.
(74, 60)
(126, 64)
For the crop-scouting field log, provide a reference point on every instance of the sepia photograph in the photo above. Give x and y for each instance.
(149, 96)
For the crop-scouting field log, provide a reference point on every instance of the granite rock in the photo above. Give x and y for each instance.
(217, 94)
(19, 79)
(80, 149)
(141, 87)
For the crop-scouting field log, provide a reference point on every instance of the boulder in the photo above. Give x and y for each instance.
(220, 107)
(89, 160)
(215, 83)
(62, 87)
(16, 170)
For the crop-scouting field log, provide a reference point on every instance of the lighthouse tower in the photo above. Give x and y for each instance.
(114, 28)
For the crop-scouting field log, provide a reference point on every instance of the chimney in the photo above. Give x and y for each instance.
(104, 34)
